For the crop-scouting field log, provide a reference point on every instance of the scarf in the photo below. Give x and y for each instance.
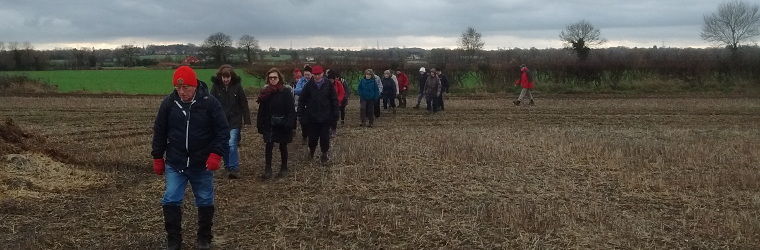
(267, 92)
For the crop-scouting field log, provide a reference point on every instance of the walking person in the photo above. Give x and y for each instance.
(347, 93)
(190, 135)
(379, 83)
(276, 120)
(297, 89)
(526, 82)
(318, 107)
(333, 77)
(444, 88)
(228, 90)
(403, 85)
(389, 91)
(422, 81)
(432, 92)
(368, 93)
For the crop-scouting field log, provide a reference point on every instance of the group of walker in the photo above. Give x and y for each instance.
(195, 128)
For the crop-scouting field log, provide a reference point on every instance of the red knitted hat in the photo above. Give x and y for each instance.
(185, 75)
(317, 70)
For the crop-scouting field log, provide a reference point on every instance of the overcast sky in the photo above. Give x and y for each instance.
(350, 24)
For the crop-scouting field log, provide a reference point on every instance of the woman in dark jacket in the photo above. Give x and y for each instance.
(228, 90)
(389, 91)
(276, 120)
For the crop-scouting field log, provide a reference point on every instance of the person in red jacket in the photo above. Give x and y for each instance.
(333, 76)
(526, 81)
(403, 87)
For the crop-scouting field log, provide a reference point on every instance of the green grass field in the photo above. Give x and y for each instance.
(142, 81)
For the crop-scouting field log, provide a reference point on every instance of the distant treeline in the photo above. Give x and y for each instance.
(558, 70)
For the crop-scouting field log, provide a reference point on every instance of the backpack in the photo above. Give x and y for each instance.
(530, 75)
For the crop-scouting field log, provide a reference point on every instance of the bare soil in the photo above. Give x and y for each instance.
(572, 172)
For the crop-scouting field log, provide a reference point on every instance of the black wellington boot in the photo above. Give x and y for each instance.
(205, 221)
(173, 225)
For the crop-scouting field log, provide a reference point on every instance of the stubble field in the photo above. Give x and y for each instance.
(573, 172)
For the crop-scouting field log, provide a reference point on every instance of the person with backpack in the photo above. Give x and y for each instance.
(276, 120)
(228, 90)
(190, 135)
(526, 82)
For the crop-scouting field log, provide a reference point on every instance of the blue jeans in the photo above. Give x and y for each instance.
(201, 181)
(232, 158)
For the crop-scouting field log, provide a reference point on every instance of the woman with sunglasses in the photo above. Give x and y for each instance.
(276, 120)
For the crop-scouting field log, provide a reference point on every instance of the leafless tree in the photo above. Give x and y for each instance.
(735, 22)
(250, 45)
(218, 45)
(470, 40)
(127, 54)
(581, 36)
(471, 44)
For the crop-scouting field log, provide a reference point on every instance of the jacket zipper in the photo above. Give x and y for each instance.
(187, 131)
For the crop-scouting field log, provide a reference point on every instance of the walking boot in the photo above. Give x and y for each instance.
(205, 221)
(532, 102)
(311, 152)
(517, 103)
(283, 171)
(232, 173)
(323, 158)
(417, 106)
(173, 225)
(267, 172)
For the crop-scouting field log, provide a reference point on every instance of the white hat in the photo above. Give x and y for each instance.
(422, 69)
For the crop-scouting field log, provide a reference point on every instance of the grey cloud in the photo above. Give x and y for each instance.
(192, 21)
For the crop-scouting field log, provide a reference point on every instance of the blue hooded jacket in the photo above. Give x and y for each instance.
(368, 89)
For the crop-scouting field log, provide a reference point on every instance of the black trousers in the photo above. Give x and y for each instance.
(304, 130)
(440, 102)
(319, 133)
(269, 147)
(343, 112)
(377, 108)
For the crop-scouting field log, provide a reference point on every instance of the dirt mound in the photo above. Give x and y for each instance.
(39, 176)
(14, 140)
(31, 167)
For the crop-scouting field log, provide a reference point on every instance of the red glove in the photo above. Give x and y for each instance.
(212, 164)
(158, 166)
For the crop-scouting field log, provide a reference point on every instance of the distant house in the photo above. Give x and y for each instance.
(190, 60)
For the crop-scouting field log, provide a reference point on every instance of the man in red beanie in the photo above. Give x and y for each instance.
(190, 135)
(320, 97)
